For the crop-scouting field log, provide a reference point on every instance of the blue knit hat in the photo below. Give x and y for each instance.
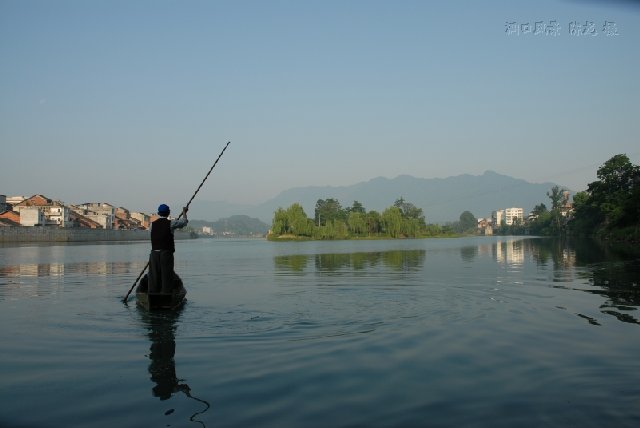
(163, 209)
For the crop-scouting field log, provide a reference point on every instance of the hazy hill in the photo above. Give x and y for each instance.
(236, 224)
(442, 199)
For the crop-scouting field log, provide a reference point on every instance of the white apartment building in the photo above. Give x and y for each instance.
(50, 213)
(507, 215)
(513, 214)
(32, 216)
(58, 215)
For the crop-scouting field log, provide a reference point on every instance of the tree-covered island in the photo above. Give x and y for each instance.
(609, 209)
(331, 221)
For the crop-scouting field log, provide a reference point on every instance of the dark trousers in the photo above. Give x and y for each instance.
(161, 274)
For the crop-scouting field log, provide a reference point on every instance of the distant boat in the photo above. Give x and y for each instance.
(160, 301)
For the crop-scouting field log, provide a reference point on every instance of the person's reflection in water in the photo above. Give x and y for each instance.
(162, 368)
(162, 328)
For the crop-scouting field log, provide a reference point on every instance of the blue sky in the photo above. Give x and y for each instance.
(130, 102)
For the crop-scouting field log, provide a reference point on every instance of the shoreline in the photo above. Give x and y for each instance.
(54, 234)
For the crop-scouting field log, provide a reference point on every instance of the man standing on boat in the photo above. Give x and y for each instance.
(161, 274)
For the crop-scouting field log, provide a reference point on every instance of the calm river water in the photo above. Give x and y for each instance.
(470, 332)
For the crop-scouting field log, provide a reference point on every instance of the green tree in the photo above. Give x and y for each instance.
(357, 223)
(408, 210)
(299, 223)
(374, 223)
(468, 222)
(615, 194)
(586, 216)
(356, 207)
(280, 223)
(556, 195)
(293, 220)
(539, 209)
(392, 221)
(411, 227)
(327, 211)
(611, 204)
(413, 221)
(340, 230)
(433, 230)
(541, 224)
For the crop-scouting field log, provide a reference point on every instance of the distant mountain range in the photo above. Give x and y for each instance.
(239, 225)
(441, 199)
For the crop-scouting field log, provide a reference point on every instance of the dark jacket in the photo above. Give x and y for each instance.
(162, 235)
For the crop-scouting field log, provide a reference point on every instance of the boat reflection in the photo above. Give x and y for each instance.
(161, 329)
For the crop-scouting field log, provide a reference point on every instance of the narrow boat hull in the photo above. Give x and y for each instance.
(161, 301)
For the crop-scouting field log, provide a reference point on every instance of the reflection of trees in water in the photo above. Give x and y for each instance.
(612, 269)
(579, 252)
(294, 262)
(562, 255)
(620, 284)
(404, 260)
(161, 328)
(469, 253)
(395, 260)
(400, 260)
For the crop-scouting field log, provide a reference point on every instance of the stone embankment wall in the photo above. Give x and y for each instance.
(54, 234)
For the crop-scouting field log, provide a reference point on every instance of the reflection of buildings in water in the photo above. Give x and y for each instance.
(485, 249)
(400, 260)
(24, 280)
(510, 252)
(60, 269)
(42, 279)
(32, 269)
(568, 257)
(103, 268)
(161, 329)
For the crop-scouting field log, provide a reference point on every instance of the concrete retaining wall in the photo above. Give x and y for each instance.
(54, 234)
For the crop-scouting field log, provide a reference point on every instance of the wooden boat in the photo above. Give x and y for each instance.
(160, 301)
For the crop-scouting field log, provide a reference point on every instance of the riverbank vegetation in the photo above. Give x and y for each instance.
(332, 221)
(608, 209)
